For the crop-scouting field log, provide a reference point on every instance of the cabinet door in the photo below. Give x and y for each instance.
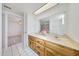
(40, 41)
(39, 49)
(31, 43)
(49, 52)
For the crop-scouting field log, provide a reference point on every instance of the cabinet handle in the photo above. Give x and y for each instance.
(38, 47)
(38, 53)
(38, 41)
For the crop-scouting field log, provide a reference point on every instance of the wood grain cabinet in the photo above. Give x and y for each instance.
(50, 52)
(32, 43)
(39, 49)
(37, 45)
(46, 48)
(60, 50)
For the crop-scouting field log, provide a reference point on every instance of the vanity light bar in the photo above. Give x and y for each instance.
(44, 8)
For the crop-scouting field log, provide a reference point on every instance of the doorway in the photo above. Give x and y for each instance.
(12, 29)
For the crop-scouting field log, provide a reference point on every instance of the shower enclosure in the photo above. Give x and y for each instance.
(12, 29)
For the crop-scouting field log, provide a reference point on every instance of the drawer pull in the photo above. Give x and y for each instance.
(38, 53)
(38, 47)
(38, 41)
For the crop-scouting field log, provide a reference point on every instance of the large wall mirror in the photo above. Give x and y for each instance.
(53, 24)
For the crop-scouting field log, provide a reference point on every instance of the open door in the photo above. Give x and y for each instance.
(12, 29)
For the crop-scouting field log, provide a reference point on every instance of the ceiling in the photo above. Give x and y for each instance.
(23, 7)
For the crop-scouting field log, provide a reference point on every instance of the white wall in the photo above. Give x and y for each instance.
(31, 25)
(73, 22)
(0, 29)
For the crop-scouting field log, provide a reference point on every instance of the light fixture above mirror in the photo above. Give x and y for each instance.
(45, 7)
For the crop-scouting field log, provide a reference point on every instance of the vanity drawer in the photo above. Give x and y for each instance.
(60, 49)
(50, 52)
(40, 53)
(40, 41)
(39, 49)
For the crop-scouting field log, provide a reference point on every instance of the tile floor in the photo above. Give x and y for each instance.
(17, 50)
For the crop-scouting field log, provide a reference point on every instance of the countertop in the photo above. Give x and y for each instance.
(59, 39)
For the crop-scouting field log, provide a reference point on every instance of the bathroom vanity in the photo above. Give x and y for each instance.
(53, 45)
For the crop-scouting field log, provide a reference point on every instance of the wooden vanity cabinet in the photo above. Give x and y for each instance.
(37, 45)
(32, 43)
(47, 48)
(59, 50)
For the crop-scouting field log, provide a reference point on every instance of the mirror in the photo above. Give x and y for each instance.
(52, 24)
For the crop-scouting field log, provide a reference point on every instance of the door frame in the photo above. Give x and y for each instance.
(6, 26)
(0, 29)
